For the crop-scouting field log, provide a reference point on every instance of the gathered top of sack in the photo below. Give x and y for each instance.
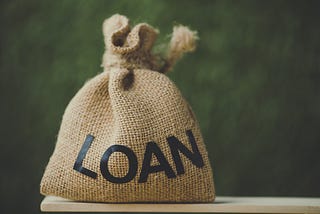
(128, 135)
(132, 48)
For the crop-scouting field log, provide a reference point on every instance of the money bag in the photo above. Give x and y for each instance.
(128, 135)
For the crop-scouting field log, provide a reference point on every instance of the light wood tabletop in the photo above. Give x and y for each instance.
(221, 205)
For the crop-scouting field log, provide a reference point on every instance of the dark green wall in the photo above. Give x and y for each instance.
(253, 84)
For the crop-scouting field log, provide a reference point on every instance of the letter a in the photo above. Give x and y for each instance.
(152, 148)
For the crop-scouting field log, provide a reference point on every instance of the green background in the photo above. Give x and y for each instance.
(253, 83)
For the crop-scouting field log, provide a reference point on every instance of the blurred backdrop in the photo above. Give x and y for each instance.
(253, 83)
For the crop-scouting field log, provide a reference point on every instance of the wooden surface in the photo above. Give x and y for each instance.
(221, 205)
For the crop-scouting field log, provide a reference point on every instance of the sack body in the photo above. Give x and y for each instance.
(128, 135)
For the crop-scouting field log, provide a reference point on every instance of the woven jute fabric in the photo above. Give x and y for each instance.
(132, 102)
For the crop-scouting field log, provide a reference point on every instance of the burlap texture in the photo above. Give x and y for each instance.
(128, 104)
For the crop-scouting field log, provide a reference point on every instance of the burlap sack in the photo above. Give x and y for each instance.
(128, 135)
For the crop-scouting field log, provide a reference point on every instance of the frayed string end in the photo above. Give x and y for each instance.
(183, 40)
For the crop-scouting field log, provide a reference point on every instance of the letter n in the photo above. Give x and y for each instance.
(176, 146)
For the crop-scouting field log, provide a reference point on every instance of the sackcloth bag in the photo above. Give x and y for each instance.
(128, 135)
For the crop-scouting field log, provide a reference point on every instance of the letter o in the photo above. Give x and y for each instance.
(133, 164)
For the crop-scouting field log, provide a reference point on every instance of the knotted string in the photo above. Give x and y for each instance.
(133, 48)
